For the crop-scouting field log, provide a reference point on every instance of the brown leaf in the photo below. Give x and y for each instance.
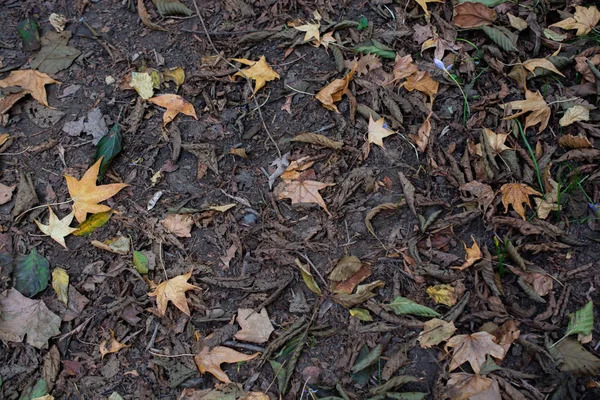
(473, 348)
(112, 346)
(423, 4)
(435, 331)
(423, 82)
(483, 192)
(210, 360)
(30, 80)
(314, 138)
(348, 285)
(496, 140)
(465, 386)
(173, 290)
(377, 131)
(421, 139)
(549, 202)
(174, 104)
(8, 101)
(574, 142)
(517, 194)
(256, 327)
(6, 193)
(534, 104)
(473, 15)
(507, 333)
(575, 114)
(366, 63)
(584, 20)
(145, 17)
(333, 92)
(534, 63)
(404, 67)
(516, 22)
(179, 225)
(303, 191)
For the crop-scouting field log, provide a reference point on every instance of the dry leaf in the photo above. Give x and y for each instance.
(584, 20)
(534, 63)
(473, 348)
(366, 63)
(575, 114)
(143, 84)
(315, 138)
(435, 331)
(465, 386)
(377, 131)
(423, 82)
(86, 195)
(179, 225)
(574, 142)
(303, 191)
(60, 284)
(535, 104)
(259, 71)
(404, 67)
(326, 40)
(421, 139)
(112, 346)
(333, 92)
(145, 17)
(173, 290)
(311, 31)
(550, 201)
(516, 22)
(517, 194)
(473, 255)
(57, 229)
(239, 151)
(6, 193)
(496, 141)
(440, 44)
(210, 360)
(443, 294)
(483, 192)
(174, 104)
(30, 80)
(423, 4)
(256, 327)
(473, 15)
(506, 334)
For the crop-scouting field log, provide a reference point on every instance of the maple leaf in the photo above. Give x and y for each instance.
(311, 31)
(327, 39)
(259, 71)
(440, 44)
(496, 141)
(365, 64)
(86, 195)
(174, 104)
(473, 348)
(256, 327)
(334, 91)
(303, 191)
(517, 194)
(57, 229)
(173, 290)
(423, 4)
(550, 201)
(377, 131)
(423, 82)
(32, 81)
(584, 20)
(465, 386)
(536, 105)
(435, 331)
(111, 347)
(403, 67)
(210, 360)
(473, 255)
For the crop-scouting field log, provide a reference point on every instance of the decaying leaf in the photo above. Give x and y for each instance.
(256, 327)
(210, 360)
(496, 141)
(57, 229)
(534, 104)
(378, 131)
(174, 104)
(60, 284)
(473, 15)
(534, 63)
(435, 331)
(575, 359)
(423, 4)
(110, 346)
(423, 82)
(465, 386)
(173, 290)
(333, 92)
(421, 139)
(179, 225)
(443, 294)
(473, 349)
(259, 71)
(6, 193)
(303, 191)
(574, 142)
(315, 138)
(575, 114)
(308, 278)
(584, 20)
(517, 194)
(517, 22)
(549, 202)
(473, 254)
(32, 81)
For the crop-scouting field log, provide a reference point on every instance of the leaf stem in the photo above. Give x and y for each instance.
(532, 155)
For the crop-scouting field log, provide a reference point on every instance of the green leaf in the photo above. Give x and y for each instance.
(489, 3)
(172, 7)
(38, 390)
(362, 377)
(374, 47)
(370, 359)
(362, 314)
(108, 147)
(402, 305)
(582, 320)
(30, 36)
(92, 223)
(363, 23)
(499, 38)
(140, 262)
(31, 274)
(279, 371)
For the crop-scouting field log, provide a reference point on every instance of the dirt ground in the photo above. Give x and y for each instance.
(248, 257)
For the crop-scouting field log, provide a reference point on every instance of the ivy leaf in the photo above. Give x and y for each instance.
(31, 274)
(108, 147)
(582, 320)
(401, 305)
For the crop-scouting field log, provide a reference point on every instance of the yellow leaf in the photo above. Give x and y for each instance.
(176, 75)
(57, 229)
(309, 280)
(333, 92)
(86, 195)
(142, 83)
(210, 360)
(362, 314)
(534, 104)
(423, 4)
(259, 71)
(174, 104)
(60, 284)
(584, 20)
(112, 346)
(92, 223)
(443, 294)
(377, 131)
(574, 114)
(534, 63)
(30, 80)
(173, 290)
(311, 31)
(222, 208)
(517, 194)
(473, 255)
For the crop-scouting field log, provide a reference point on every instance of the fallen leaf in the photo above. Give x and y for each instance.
(496, 141)
(6, 193)
(440, 44)
(361, 314)
(517, 194)
(92, 223)
(145, 17)
(179, 225)
(421, 139)
(174, 104)
(111, 346)
(315, 138)
(535, 104)
(534, 63)
(549, 202)
(31, 273)
(86, 195)
(117, 245)
(584, 20)
(259, 71)
(10, 100)
(58, 21)
(574, 142)
(173, 290)
(482, 192)
(30, 80)
(60, 284)
(517, 22)
(55, 55)
(256, 327)
(423, 82)
(575, 114)
(404, 67)
(348, 285)
(326, 40)
(20, 317)
(473, 255)
(506, 334)
(435, 331)
(333, 92)
(303, 191)
(210, 360)
(423, 4)
(57, 229)
(311, 31)
(473, 15)
(142, 83)
(473, 348)
(366, 63)
(465, 386)
(240, 152)
(443, 294)
(308, 278)
(377, 131)
(175, 75)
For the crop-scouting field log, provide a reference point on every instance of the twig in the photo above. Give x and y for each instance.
(223, 33)
(171, 356)
(218, 54)
(16, 154)
(153, 338)
(43, 205)
(244, 346)
(299, 91)
(314, 268)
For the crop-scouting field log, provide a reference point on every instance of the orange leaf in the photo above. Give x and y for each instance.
(421, 139)
(517, 194)
(303, 191)
(473, 348)
(173, 290)
(32, 81)
(211, 360)
(86, 195)
(333, 92)
(260, 71)
(473, 255)
(347, 286)
(535, 104)
(174, 104)
(473, 15)
(574, 142)
(112, 347)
